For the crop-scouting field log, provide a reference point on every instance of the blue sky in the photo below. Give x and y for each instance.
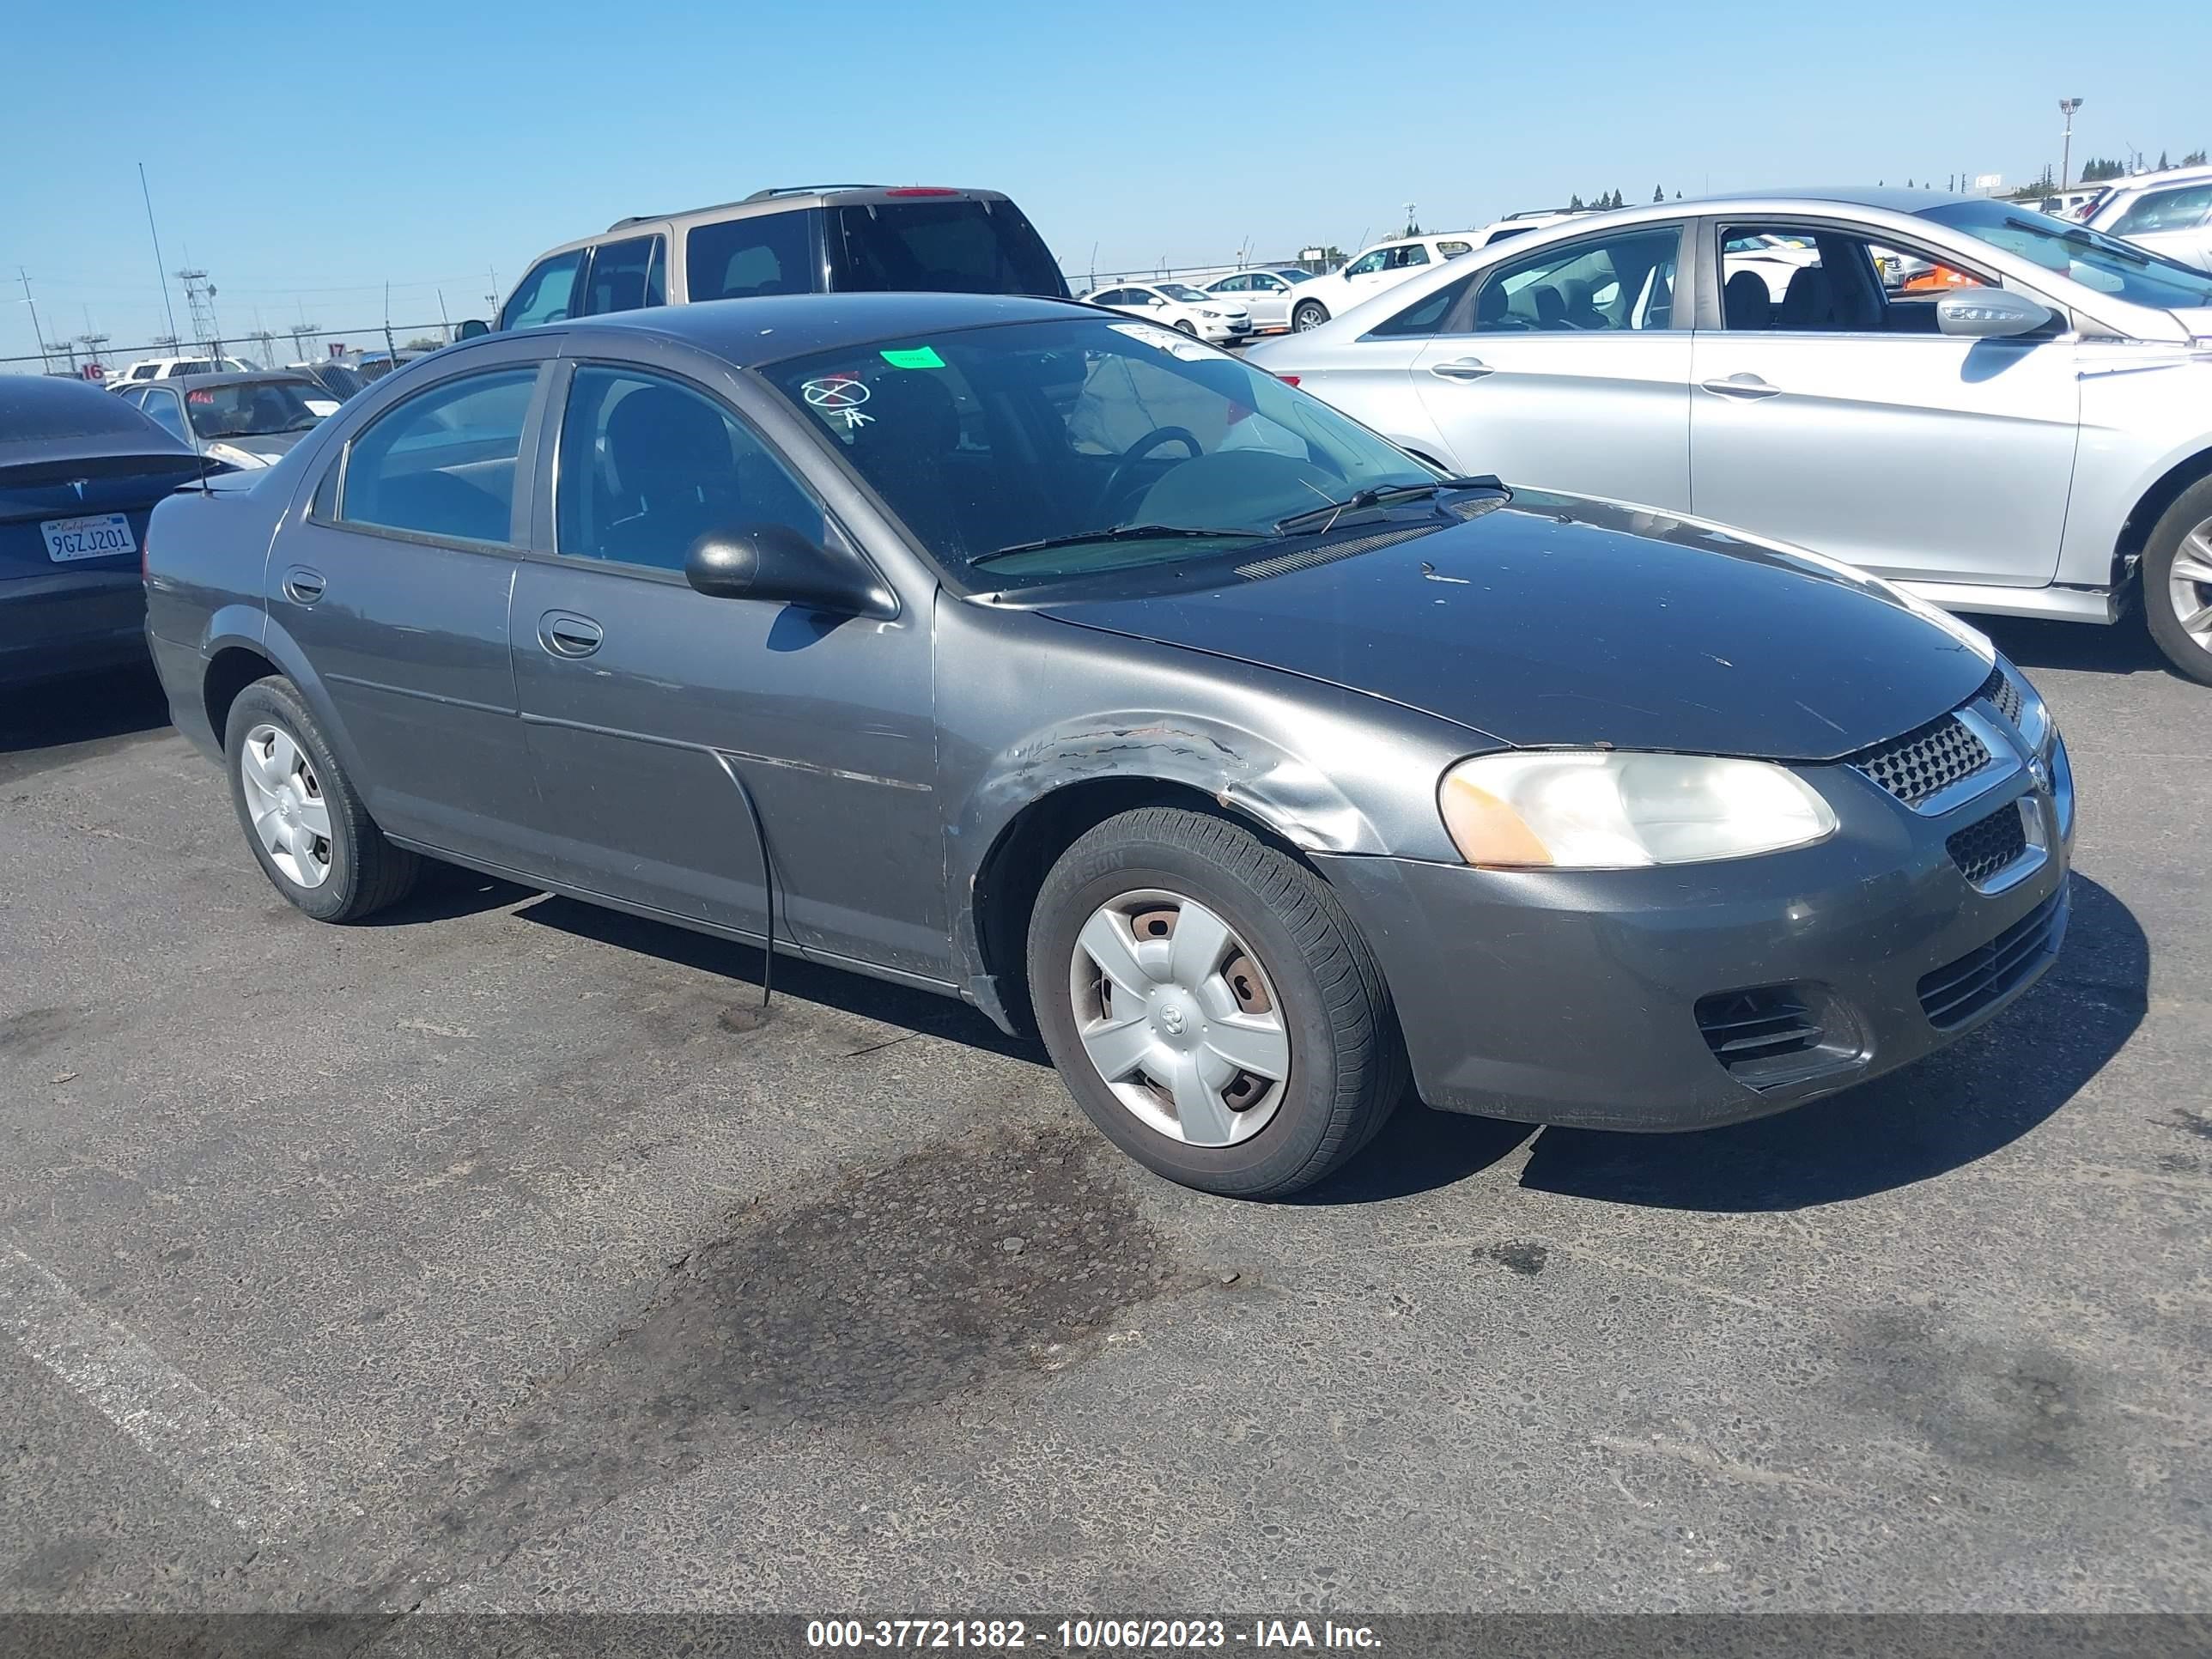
(305, 162)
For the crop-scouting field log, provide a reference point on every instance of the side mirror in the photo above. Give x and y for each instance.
(1156, 302)
(1990, 314)
(774, 561)
(472, 328)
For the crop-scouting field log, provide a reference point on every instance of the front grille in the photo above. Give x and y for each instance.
(1959, 992)
(1918, 764)
(1980, 850)
(1999, 691)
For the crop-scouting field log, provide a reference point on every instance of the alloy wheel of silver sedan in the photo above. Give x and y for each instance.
(290, 816)
(1179, 1018)
(2188, 584)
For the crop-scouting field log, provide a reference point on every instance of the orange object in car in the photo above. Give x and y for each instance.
(1941, 277)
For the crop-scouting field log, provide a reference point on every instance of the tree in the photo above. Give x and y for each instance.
(1574, 204)
(420, 343)
(2099, 168)
(1658, 193)
(2194, 159)
(2162, 162)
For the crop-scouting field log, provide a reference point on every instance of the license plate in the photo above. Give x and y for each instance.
(96, 536)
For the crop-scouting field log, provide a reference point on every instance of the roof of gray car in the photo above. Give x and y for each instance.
(752, 332)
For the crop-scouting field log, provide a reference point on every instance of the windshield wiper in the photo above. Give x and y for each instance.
(1120, 533)
(1377, 495)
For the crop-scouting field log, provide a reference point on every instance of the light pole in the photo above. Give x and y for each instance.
(2066, 107)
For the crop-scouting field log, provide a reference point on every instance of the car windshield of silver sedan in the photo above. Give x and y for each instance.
(2088, 256)
(1059, 449)
(255, 409)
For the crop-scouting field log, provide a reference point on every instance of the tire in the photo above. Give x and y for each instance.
(352, 870)
(1187, 328)
(2180, 545)
(1290, 946)
(1310, 314)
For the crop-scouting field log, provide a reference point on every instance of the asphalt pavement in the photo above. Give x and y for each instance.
(505, 1253)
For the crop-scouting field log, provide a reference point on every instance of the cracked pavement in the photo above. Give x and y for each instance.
(503, 1255)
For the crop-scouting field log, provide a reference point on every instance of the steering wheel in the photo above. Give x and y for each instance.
(1136, 451)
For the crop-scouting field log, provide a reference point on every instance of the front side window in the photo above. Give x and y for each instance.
(442, 463)
(624, 277)
(2165, 210)
(988, 441)
(2091, 257)
(1619, 282)
(1830, 280)
(1368, 264)
(543, 295)
(648, 465)
(748, 259)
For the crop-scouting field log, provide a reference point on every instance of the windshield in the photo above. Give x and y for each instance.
(2088, 257)
(955, 247)
(256, 408)
(1293, 274)
(987, 439)
(1177, 291)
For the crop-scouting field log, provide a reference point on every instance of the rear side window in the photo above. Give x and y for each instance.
(442, 463)
(748, 259)
(543, 295)
(162, 407)
(625, 276)
(1426, 316)
(941, 247)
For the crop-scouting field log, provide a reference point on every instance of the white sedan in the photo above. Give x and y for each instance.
(1265, 291)
(1208, 316)
(2025, 430)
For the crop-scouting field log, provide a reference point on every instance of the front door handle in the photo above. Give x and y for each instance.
(303, 586)
(1462, 368)
(1741, 386)
(565, 634)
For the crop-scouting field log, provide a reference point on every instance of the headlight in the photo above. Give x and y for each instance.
(1584, 811)
(1204, 312)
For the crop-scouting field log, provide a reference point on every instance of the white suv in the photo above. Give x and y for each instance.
(1393, 261)
(167, 369)
(2168, 213)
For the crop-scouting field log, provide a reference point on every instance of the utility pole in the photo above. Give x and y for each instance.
(37, 333)
(2066, 107)
(199, 299)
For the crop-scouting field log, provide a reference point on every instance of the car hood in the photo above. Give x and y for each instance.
(1557, 621)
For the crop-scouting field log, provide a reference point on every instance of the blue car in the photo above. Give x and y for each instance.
(79, 472)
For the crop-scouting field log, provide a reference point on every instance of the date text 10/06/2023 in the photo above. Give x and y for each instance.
(1086, 1635)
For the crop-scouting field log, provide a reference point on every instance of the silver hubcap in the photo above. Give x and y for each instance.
(1179, 1017)
(1307, 319)
(290, 817)
(2189, 588)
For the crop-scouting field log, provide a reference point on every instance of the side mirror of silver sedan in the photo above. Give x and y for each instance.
(1990, 313)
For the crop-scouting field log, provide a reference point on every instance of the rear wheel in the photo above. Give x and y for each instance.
(306, 824)
(1310, 314)
(1211, 1005)
(2176, 582)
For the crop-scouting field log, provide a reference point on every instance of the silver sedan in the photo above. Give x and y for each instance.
(1998, 411)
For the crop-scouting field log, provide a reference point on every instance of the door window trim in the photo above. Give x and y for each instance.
(519, 510)
(544, 546)
(1708, 320)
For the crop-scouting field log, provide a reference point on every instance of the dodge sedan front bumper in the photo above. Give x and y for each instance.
(1686, 996)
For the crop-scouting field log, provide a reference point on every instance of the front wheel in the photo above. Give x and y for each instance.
(2177, 583)
(309, 832)
(1187, 326)
(1310, 314)
(1211, 1005)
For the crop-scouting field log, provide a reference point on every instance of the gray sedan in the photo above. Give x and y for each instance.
(1056, 661)
(1996, 410)
(243, 420)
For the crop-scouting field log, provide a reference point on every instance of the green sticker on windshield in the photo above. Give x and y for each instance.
(913, 357)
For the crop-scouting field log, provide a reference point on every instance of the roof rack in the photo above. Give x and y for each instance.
(768, 195)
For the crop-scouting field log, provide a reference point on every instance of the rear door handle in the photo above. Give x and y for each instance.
(565, 634)
(1741, 386)
(1462, 368)
(303, 586)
